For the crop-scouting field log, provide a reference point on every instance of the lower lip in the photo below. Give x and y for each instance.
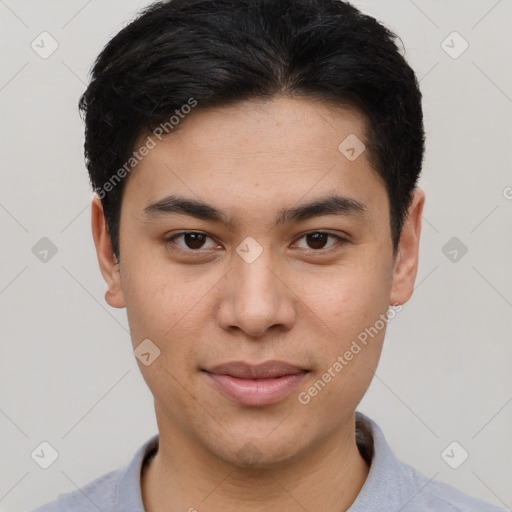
(256, 392)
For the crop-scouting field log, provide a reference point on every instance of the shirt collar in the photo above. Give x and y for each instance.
(387, 480)
(129, 495)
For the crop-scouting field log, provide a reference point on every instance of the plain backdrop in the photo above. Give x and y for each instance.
(68, 374)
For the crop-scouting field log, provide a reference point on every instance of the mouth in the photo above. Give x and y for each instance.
(256, 385)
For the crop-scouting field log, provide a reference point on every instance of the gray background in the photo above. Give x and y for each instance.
(68, 375)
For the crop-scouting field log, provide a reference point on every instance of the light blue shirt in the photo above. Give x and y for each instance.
(391, 486)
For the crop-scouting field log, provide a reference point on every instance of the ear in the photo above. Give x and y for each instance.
(106, 259)
(406, 263)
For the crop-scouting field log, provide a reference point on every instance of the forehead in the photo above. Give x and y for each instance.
(263, 152)
(283, 124)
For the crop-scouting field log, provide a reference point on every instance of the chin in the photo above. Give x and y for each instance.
(265, 451)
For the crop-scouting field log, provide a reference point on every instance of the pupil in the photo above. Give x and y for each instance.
(194, 240)
(316, 239)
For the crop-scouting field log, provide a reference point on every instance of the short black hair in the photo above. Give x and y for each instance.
(208, 53)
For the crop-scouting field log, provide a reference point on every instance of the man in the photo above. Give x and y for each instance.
(255, 166)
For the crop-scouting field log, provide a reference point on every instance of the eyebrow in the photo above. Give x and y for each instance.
(331, 205)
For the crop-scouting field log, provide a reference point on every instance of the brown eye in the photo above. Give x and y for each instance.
(318, 241)
(194, 240)
(191, 241)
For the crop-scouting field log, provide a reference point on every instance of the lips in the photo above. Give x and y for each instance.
(255, 385)
(266, 370)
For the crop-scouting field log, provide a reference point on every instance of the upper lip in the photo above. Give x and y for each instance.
(265, 370)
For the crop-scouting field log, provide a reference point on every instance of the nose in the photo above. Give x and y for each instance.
(255, 298)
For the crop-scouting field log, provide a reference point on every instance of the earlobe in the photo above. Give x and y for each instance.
(406, 265)
(106, 258)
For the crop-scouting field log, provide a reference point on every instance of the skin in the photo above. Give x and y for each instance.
(301, 301)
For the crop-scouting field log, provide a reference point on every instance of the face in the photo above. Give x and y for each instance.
(253, 254)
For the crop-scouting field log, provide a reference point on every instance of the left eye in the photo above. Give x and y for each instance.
(318, 239)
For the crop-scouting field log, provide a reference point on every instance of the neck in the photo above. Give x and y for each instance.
(185, 477)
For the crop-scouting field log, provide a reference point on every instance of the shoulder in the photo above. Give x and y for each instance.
(393, 485)
(100, 494)
(118, 490)
(433, 495)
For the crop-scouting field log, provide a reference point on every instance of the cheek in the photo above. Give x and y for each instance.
(352, 297)
(351, 307)
(151, 307)
(347, 357)
(158, 298)
(157, 312)
(165, 308)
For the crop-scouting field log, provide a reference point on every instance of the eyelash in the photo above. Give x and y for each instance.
(170, 240)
